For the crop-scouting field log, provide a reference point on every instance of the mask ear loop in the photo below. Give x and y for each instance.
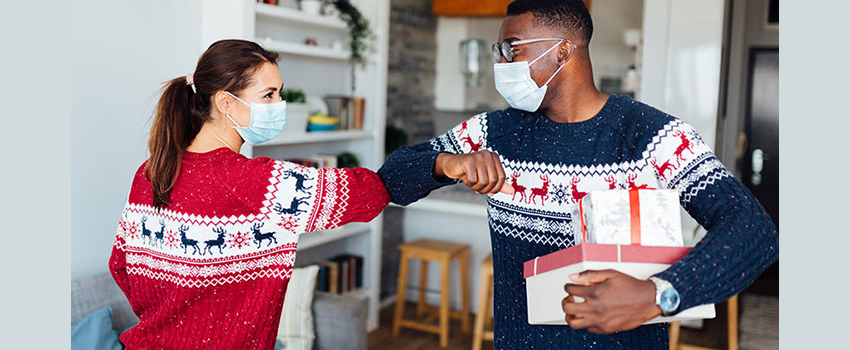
(544, 54)
(570, 54)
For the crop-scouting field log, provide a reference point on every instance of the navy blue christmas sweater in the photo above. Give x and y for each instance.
(552, 165)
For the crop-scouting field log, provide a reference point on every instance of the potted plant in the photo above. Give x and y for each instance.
(362, 37)
(297, 111)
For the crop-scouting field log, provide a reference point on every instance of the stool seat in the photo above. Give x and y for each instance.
(442, 252)
(430, 246)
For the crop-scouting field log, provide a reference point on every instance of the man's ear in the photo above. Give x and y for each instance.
(565, 51)
(221, 102)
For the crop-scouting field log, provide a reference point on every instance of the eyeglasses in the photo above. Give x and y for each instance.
(506, 48)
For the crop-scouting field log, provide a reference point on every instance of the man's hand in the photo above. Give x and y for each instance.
(482, 171)
(613, 301)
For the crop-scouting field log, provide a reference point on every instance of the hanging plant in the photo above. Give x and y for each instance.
(362, 37)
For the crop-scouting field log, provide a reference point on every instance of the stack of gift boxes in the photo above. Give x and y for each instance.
(637, 232)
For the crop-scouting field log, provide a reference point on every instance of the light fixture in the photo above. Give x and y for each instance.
(473, 60)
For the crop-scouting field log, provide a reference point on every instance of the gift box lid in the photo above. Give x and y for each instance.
(603, 252)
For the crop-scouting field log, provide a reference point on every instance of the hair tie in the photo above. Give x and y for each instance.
(190, 80)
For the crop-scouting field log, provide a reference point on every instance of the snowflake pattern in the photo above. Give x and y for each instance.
(133, 231)
(288, 224)
(559, 194)
(239, 240)
(172, 240)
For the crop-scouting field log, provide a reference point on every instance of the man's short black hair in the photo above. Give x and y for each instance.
(568, 15)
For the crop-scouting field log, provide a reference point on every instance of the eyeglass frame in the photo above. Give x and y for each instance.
(498, 50)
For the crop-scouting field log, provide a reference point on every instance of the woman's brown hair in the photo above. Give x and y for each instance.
(227, 65)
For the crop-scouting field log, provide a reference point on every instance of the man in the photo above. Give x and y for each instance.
(561, 139)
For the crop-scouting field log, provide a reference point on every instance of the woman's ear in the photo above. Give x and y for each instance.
(221, 103)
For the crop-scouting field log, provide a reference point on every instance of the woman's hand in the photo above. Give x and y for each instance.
(613, 301)
(482, 171)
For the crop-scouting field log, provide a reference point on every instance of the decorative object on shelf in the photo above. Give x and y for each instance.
(311, 7)
(319, 122)
(268, 2)
(395, 138)
(297, 112)
(311, 41)
(473, 60)
(362, 38)
(293, 96)
(347, 160)
(317, 105)
(349, 110)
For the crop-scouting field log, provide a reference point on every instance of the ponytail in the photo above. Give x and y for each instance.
(186, 104)
(173, 129)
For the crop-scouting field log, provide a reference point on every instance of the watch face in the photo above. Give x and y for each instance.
(669, 300)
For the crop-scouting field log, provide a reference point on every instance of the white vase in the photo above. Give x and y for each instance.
(311, 7)
(296, 119)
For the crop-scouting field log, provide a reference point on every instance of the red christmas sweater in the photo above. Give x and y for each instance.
(211, 270)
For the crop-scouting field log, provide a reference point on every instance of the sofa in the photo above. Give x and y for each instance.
(340, 321)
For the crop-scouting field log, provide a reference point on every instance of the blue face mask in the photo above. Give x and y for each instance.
(267, 121)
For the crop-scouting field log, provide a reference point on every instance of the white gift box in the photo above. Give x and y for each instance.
(545, 276)
(638, 216)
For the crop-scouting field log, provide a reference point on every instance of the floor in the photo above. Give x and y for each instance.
(713, 333)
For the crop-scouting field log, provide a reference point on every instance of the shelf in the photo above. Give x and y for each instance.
(448, 207)
(315, 239)
(293, 15)
(319, 137)
(289, 48)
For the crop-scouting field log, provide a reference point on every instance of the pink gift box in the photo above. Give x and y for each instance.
(546, 275)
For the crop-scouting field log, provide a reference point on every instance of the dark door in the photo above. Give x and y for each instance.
(761, 170)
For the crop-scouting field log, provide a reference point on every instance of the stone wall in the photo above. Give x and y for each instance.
(410, 105)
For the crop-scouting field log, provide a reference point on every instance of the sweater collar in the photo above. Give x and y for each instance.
(206, 155)
(607, 115)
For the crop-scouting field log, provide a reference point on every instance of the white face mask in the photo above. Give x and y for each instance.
(514, 83)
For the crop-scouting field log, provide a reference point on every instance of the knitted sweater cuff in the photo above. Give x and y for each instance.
(409, 176)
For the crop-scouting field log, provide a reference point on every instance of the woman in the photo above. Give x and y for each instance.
(206, 243)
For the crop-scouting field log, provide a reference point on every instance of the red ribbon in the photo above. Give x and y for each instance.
(634, 214)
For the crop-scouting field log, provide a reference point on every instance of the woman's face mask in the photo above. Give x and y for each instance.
(513, 80)
(267, 121)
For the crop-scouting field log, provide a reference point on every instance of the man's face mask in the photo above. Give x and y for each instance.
(513, 79)
(267, 121)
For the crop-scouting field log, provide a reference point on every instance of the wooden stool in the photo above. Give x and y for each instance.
(426, 251)
(485, 301)
(732, 330)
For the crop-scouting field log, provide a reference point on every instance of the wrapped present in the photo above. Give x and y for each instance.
(545, 276)
(640, 216)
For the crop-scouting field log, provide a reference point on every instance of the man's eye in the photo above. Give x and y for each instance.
(269, 95)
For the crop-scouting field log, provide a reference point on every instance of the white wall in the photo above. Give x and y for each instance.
(451, 93)
(682, 44)
(609, 54)
(127, 48)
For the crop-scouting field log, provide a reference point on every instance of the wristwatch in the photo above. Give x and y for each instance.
(666, 297)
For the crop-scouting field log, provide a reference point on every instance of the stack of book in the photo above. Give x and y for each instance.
(348, 109)
(340, 274)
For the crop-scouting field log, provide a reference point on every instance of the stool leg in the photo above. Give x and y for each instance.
(399, 303)
(423, 282)
(733, 322)
(464, 290)
(444, 304)
(483, 310)
(674, 335)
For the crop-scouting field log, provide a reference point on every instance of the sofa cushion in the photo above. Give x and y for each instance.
(95, 331)
(296, 330)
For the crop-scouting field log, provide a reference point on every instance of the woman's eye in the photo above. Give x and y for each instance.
(269, 95)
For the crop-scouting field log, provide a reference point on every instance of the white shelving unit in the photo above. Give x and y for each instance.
(319, 70)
